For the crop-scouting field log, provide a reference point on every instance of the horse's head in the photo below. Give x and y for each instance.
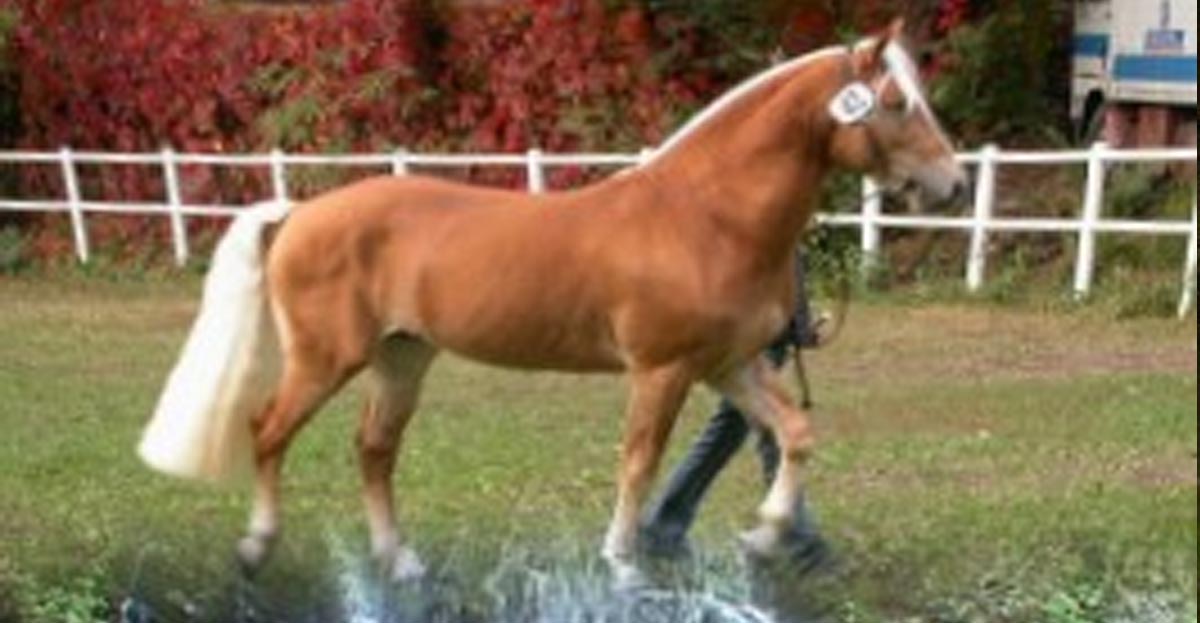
(885, 127)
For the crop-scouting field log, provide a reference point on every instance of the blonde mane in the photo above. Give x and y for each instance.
(900, 65)
(737, 94)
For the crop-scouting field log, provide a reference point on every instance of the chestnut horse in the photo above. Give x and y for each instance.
(676, 273)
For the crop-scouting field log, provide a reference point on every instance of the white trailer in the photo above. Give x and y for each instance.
(1135, 70)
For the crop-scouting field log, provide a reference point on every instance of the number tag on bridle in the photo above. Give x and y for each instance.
(853, 104)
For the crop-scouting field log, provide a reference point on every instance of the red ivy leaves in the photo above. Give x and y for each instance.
(136, 76)
(952, 14)
(361, 75)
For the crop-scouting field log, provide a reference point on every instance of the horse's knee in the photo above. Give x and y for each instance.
(796, 439)
(382, 427)
(376, 449)
(270, 442)
(641, 462)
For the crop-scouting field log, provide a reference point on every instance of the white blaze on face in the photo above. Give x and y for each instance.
(903, 70)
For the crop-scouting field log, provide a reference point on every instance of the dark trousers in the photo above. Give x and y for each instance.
(671, 516)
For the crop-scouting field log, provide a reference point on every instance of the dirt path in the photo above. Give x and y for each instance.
(942, 341)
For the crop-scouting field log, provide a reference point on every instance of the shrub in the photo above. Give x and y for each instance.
(994, 87)
(374, 75)
(132, 80)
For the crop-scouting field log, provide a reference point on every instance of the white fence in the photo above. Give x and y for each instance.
(980, 224)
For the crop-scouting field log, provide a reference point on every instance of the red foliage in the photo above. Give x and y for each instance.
(362, 75)
(562, 76)
(810, 28)
(952, 14)
(558, 74)
(119, 75)
(871, 15)
(136, 76)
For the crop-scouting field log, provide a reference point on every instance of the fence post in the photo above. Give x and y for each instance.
(1189, 272)
(175, 205)
(985, 204)
(536, 172)
(279, 176)
(1093, 205)
(74, 204)
(872, 233)
(400, 162)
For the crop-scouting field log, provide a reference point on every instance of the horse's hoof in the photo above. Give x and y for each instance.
(406, 567)
(252, 552)
(762, 543)
(628, 579)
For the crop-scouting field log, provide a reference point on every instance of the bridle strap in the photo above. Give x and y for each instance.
(878, 156)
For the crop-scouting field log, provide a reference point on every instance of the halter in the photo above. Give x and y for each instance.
(900, 70)
(858, 101)
(855, 105)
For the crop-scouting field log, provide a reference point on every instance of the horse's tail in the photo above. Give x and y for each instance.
(229, 365)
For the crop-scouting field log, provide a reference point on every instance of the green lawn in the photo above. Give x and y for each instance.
(977, 464)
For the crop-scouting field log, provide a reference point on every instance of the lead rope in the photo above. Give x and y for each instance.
(828, 326)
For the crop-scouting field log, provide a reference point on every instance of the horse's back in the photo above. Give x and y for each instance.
(498, 276)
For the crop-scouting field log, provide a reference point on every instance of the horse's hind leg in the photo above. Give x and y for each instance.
(397, 371)
(306, 383)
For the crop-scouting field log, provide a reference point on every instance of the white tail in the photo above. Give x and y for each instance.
(229, 366)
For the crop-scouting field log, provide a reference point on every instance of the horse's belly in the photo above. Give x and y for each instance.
(535, 349)
(537, 308)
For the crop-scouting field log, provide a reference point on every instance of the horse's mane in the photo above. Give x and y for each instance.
(899, 63)
(737, 94)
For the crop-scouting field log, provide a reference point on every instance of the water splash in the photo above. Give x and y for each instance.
(523, 590)
(359, 603)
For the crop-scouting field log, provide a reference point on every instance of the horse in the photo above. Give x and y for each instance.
(675, 274)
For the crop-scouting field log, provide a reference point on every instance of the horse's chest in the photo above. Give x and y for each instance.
(745, 329)
(764, 322)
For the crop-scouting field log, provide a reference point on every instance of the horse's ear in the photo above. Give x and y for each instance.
(873, 63)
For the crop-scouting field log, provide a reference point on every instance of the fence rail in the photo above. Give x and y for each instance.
(980, 224)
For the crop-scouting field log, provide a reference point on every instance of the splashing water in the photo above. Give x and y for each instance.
(520, 591)
(563, 584)
(357, 601)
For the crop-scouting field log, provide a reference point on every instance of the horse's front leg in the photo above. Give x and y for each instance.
(758, 392)
(655, 400)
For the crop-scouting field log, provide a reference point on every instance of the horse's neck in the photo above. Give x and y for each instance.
(756, 170)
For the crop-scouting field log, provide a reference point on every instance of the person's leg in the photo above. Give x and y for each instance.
(670, 517)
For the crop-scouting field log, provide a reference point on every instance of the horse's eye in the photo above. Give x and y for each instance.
(894, 102)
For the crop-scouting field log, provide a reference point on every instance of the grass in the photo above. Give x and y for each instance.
(977, 463)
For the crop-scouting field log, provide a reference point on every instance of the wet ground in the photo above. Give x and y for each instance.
(518, 590)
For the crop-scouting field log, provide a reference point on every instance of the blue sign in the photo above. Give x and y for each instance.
(1174, 69)
(1092, 45)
